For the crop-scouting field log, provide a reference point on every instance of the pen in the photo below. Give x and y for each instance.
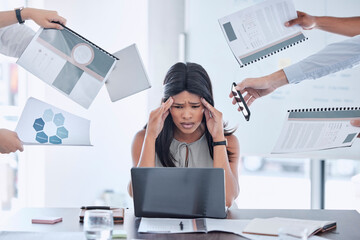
(95, 207)
(181, 226)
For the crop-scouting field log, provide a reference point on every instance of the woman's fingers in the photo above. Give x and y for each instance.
(164, 116)
(207, 114)
(207, 105)
(213, 112)
(164, 109)
(168, 103)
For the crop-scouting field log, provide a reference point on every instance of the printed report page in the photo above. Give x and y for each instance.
(258, 26)
(312, 135)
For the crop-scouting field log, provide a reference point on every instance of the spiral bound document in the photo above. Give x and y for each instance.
(86, 40)
(68, 62)
(258, 32)
(318, 129)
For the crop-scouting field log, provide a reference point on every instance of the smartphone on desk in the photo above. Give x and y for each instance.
(241, 102)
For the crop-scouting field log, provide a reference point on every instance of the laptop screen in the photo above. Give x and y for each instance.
(179, 192)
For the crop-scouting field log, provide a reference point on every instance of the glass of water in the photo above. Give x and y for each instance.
(98, 224)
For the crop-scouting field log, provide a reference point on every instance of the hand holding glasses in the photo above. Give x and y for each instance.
(241, 102)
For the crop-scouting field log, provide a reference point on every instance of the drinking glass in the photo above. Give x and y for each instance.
(98, 224)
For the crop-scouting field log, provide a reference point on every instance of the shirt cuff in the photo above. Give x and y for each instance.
(294, 73)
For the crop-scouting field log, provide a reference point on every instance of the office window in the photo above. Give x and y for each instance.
(342, 185)
(274, 183)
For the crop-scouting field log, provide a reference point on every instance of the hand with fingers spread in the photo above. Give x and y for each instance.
(9, 141)
(214, 121)
(157, 118)
(306, 21)
(254, 88)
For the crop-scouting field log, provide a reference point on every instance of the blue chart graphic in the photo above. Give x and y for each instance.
(53, 128)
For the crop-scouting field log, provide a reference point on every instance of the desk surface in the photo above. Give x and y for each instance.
(348, 222)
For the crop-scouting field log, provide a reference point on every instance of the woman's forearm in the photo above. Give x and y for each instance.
(147, 157)
(231, 183)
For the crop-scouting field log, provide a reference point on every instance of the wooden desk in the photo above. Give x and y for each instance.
(348, 222)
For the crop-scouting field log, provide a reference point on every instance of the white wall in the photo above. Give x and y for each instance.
(166, 23)
(75, 176)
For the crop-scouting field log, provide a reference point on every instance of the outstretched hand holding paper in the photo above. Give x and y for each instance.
(258, 31)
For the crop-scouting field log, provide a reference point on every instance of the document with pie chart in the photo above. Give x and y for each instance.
(68, 62)
(43, 124)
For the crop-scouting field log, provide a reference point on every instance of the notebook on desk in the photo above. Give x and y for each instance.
(179, 192)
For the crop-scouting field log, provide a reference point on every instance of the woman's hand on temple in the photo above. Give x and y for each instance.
(214, 121)
(157, 118)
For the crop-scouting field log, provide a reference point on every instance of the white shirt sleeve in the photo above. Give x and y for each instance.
(331, 59)
(14, 39)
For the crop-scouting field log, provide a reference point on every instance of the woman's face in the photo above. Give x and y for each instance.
(187, 112)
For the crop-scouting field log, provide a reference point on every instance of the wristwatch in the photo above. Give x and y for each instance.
(18, 14)
(220, 143)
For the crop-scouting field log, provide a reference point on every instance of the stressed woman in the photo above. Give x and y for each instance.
(187, 130)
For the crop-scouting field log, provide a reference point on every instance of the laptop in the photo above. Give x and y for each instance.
(129, 75)
(179, 192)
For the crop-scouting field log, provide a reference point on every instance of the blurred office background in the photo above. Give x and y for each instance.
(167, 31)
